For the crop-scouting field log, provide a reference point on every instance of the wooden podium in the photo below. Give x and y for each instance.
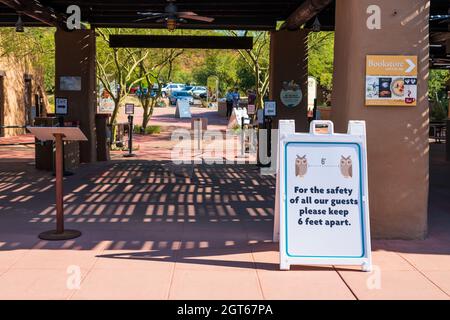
(58, 134)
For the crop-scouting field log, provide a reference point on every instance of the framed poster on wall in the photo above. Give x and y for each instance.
(391, 80)
(70, 83)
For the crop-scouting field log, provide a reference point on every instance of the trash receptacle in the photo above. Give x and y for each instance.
(44, 152)
(103, 137)
(44, 149)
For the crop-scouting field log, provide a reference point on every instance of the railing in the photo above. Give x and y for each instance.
(438, 131)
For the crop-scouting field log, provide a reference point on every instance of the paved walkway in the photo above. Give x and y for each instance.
(152, 230)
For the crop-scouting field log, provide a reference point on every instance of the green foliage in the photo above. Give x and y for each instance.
(35, 46)
(245, 74)
(321, 57)
(148, 130)
(222, 65)
(255, 64)
(439, 109)
(153, 130)
(437, 82)
(51, 103)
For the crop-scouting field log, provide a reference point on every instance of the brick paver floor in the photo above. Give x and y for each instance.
(153, 230)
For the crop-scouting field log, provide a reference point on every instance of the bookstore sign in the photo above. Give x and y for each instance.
(391, 80)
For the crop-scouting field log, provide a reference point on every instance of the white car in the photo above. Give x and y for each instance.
(171, 87)
(197, 91)
(180, 95)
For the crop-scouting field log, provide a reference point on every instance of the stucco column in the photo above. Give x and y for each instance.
(397, 136)
(288, 69)
(75, 57)
(447, 141)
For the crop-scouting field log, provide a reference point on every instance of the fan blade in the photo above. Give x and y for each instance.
(190, 13)
(150, 13)
(196, 17)
(162, 15)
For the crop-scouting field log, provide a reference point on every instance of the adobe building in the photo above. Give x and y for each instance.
(397, 135)
(22, 95)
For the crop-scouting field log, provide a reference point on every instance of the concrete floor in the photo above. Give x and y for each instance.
(152, 230)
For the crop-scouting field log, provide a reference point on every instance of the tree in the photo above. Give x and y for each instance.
(257, 59)
(116, 69)
(437, 83)
(222, 65)
(321, 57)
(151, 74)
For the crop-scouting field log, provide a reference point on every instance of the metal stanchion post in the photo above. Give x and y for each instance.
(269, 137)
(130, 153)
(198, 129)
(447, 141)
(242, 138)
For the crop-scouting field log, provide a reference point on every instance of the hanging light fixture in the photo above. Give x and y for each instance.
(19, 24)
(171, 23)
(316, 26)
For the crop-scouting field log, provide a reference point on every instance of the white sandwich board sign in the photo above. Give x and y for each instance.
(323, 205)
(183, 110)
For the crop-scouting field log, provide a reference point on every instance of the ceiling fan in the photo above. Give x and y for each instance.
(172, 16)
(442, 18)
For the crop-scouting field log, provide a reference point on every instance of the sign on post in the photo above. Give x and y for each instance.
(323, 204)
(312, 92)
(270, 108)
(129, 108)
(391, 80)
(61, 106)
(251, 109)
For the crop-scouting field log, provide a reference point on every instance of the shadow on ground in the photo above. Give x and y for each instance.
(154, 210)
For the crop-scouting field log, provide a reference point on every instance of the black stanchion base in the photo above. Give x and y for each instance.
(52, 235)
(259, 164)
(65, 174)
(129, 155)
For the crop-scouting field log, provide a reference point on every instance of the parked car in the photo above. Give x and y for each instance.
(180, 95)
(171, 87)
(197, 91)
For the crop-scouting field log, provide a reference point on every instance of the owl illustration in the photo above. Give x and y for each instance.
(346, 167)
(301, 166)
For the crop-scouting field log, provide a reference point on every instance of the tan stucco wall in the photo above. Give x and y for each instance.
(13, 91)
(397, 136)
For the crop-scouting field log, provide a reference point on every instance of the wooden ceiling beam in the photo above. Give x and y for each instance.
(182, 42)
(37, 11)
(307, 10)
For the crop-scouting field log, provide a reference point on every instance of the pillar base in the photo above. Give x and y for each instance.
(65, 174)
(53, 235)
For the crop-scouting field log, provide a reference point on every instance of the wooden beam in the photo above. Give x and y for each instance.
(36, 10)
(304, 13)
(187, 42)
